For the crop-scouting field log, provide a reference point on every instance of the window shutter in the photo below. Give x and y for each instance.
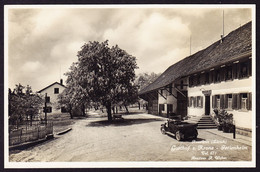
(201, 99)
(213, 101)
(238, 101)
(195, 101)
(234, 71)
(223, 74)
(250, 67)
(213, 76)
(234, 101)
(238, 71)
(222, 103)
(210, 77)
(226, 101)
(203, 79)
(188, 101)
(248, 102)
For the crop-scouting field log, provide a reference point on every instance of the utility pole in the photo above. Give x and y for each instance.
(190, 45)
(223, 25)
(45, 108)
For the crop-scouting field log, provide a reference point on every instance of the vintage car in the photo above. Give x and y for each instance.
(180, 129)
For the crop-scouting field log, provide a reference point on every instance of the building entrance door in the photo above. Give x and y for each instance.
(207, 105)
(182, 102)
(169, 109)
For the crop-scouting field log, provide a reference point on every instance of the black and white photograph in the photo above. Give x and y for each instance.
(129, 86)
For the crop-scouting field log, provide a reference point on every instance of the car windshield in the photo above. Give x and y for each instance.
(174, 121)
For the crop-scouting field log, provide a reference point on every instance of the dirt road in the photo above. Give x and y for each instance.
(136, 138)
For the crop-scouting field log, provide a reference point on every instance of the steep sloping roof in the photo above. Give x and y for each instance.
(51, 85)
(235, 44)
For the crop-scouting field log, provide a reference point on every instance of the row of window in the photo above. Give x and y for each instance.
(241, 101)
(224, 73)
(162, 108)
(195, 101)
(48, 109)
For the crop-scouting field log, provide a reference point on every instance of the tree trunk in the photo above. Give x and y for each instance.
(109, 115)
(113, 108)
(126, 109)
(31, 119)
(71, 115)
(70, 111)
(116, 110)
(83, 110)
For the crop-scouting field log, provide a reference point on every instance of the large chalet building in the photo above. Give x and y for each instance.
(217, 77)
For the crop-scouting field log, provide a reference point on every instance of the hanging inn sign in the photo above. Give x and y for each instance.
(207, 92)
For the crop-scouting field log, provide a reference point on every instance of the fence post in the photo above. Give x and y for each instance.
(20, 139)
(234, 132)
(38, 132)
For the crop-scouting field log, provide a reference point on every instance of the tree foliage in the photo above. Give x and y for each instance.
(23, 104)
(144, 79)
(103, 75)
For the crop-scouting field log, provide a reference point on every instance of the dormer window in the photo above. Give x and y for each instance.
(56, 90)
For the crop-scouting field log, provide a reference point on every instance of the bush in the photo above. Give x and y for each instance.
(225, 120)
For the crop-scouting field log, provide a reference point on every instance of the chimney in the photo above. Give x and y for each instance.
(61, 81)
(222, 38)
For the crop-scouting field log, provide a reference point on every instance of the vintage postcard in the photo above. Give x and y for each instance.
(129, 86)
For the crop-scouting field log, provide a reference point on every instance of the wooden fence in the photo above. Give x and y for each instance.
(29, 134)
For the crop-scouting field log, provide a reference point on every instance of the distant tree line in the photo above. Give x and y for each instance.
(144, 79)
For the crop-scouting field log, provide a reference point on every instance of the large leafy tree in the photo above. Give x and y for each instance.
(103, 75)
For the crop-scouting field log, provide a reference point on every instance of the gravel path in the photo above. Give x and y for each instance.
(136, 138)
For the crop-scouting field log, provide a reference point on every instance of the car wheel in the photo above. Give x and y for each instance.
(178, 135)
(163, 130)
(195, 137)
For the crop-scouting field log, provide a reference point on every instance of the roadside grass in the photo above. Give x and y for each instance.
(62, 121)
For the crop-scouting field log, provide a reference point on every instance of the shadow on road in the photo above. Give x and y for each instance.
(122, 122)
(131, 113)
(188, 140)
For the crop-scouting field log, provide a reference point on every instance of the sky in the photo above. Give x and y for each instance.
(43, 41)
